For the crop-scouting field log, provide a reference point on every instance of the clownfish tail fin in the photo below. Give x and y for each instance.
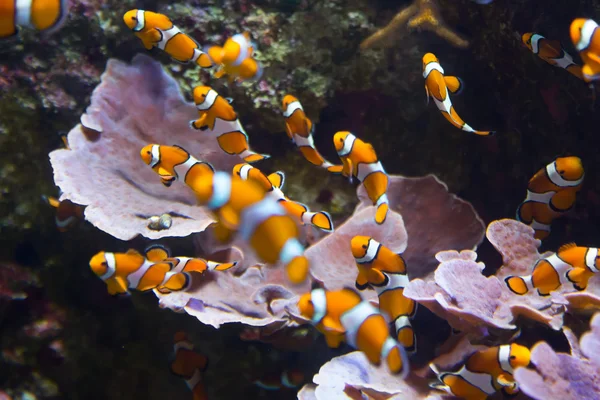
(277, 179)
(157, 252)
(518, 284)
(321, 220)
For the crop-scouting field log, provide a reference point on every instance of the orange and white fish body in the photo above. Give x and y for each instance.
(157, 30)
(273, 184)
(300, 129)
(235, 59)
(172, 163)
(218, 116)
(68, 214)
(360, 160)
(385, 272)
(189, 365)
(551, 192)
(131, 270)
(343, 315)
(552, 52)
(43, 15)
(439, 87)
(586, 39)
(570, 264)
(484, 373)
(240, 207)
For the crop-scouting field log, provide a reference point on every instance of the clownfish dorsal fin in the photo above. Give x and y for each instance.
(277, 179)
(352, 292)
(133, 252)
(157, 252)
(566, 246)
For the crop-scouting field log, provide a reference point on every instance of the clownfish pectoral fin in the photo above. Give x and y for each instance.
(225, 266)
(454, 84)
(347, 168)
(219, 73)
(157, 252)
(577, 276)
(440, 386)
(566, 246)
(277, 179)
(331, 325)
(361, 281)
(376, 277)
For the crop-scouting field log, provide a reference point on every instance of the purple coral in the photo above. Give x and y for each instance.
(133, 106)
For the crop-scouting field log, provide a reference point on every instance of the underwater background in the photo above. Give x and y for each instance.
(64, 337)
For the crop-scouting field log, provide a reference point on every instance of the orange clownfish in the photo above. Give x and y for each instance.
(273, 185)
(239, 207)
(300, 129)
(359, 160)
(288, 379)
(189, 365)
(552, 52)
(131, 270)
(438, 87)
(68, 214)
(235, 59)
(551, 192)
(42, 15)
(343, 314)
(217, 114)
(484, 373)
(586, 39)
(385, 272)
(571, 263)
(157, 30)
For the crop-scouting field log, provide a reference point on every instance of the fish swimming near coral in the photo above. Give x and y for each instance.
(132, 270)
(189, 365)
(235, 59)
(571, 263)
(273, 185)
(217, 115)
(484, 373)
(157, 30)
(288, 379)
(240, 207)
(68, 214)
(343, 315)
(300, 129)
(586, 39)
(385, 272)
(551, 192)
(552, 52)
(42, 15)
(439, 87)
(360, 160)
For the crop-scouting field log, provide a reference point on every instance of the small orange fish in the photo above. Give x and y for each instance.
(217, 114)
(586, 39)
(484, 373)
(189, 365)
(68, 214)
(235, 59)
(157, 30)
(360, 160)
(552, 52)
(43, 15)
(438, 87)
(300, 129)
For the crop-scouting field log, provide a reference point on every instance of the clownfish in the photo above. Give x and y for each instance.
(288, 379)
(273, 185)
(586, 39)
(131, 270)
(217, 114)
(343, 314)
(43, 15)
(438, 87)
(385, 272)
(239, 206)
(552, 52)
(68, 214)
(360, 160)
(300, 129)
(484, 373)
(571, 263)
(235, 59)
(551, 192)
(157, 30)
(189, 365)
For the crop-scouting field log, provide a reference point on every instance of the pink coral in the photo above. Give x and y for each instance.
(134, 105)
(564, 376)
(435, 220)
(468, 300)
(352, 376)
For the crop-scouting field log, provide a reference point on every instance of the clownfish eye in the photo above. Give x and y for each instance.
(341, 140)
(561, 172)
(513, 357)
(149, 152)
(104, 264)
(364, 246)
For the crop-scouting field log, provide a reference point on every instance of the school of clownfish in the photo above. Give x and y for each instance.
(251, 204)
